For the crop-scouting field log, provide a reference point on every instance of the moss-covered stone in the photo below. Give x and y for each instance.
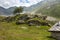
(20, 22)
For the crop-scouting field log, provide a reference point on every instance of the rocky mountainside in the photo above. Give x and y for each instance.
(45, 4)
(42, 4)
(4, 11)
(50, 8)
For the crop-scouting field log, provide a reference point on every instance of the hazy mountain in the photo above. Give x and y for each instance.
(8, 11)
(44, 3)
(50, 7)
(33, 7)
(41, 5)
(47, 4)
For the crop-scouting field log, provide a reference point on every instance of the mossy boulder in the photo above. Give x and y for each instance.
(20, 22)
(45, 24)
(44, 17)
(37, 22)
(35, 16)
(33, 22)
(8, 19)
(24, 17)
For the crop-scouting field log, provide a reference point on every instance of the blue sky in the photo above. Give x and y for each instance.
(27, 1)
(11, 3)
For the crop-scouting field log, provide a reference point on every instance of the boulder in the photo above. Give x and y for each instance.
(45, 24)
(33, 22)
(24, 17)
(20, 22)
(8, 19)
(44, 17)
(35, 16)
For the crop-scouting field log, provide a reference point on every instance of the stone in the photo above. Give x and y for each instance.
(20, 22)
(33, 22)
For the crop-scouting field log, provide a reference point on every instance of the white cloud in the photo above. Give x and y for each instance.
(11, 3)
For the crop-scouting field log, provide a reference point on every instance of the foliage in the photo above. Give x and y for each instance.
(18, 10)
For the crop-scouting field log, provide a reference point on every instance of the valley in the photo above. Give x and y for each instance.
(29, 23)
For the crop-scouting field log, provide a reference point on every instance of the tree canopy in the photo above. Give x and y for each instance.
(18, 10)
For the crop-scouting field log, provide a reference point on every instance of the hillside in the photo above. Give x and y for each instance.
(7, 12)
(9, 30)
(50, 10)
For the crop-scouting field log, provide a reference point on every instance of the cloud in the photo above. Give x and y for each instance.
(28, 2)
(11, 3)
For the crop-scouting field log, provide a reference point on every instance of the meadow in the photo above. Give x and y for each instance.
(12, 31)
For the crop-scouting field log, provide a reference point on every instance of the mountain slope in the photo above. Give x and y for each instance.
(37, 8)
(51, 8)
(8, 11)
(33, 7)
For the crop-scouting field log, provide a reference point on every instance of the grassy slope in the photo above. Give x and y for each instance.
(52, 11)
(11, 31)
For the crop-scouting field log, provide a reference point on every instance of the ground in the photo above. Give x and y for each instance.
(11, 31)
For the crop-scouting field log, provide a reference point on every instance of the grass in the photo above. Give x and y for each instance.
(11, 31)
(53, 11)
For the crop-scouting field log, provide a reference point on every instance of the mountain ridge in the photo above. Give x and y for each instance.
(42, 4)
(52, 10)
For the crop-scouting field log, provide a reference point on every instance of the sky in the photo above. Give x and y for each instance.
(11, 3)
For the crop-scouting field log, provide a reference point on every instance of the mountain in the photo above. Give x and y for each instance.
(38, 8)
(33, 7)
(48, 3)
(44, 3)
(50, 8)
(8, 11)
(2, 10)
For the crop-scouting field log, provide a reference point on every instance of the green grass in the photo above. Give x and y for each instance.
(11, 31)
(53, 11)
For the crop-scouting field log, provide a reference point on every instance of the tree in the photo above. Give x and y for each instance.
(18, 10)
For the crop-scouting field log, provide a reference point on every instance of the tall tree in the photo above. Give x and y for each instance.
(18, 10)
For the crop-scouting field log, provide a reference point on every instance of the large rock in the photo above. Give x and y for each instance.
(44, 17)
(35, 16)
(45, 24)
(20, 22)
(33, 22)
(24, 17)
(8, 19)
(38, 23)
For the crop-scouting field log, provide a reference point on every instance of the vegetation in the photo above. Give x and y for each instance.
(25, 27)
(53, 10)
(11, 31)
(18, 10)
